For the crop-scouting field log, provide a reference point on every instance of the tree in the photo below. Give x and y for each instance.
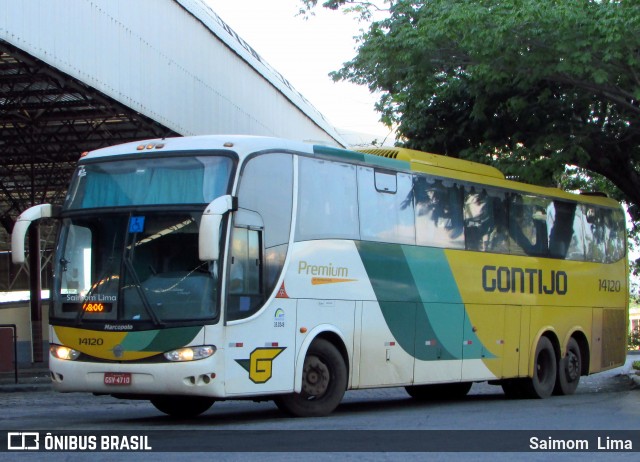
(530, 86)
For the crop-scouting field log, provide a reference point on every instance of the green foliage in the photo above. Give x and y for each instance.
(636, 365)
(633, 343)
(529, 86)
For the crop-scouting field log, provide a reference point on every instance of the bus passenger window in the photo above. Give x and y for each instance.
(439, 219)
(386, 206)
(327, 201)
(604, 236)
(594, 234)
(528, 225)
(485, 221)
(561, 224)
(617, 236)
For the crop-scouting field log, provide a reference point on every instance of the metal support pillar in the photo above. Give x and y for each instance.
(35, 288)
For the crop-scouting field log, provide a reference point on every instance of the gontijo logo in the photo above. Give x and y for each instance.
(324, 274)
(260, 363)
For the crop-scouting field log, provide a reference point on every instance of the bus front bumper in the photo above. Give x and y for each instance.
(194, 378)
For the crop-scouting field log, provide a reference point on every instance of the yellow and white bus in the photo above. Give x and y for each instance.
(197, 269)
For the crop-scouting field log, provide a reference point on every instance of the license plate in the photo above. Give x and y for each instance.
(117, 378)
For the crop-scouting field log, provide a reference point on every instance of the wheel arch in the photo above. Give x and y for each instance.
(552, 335)
(332, 335)
(583, 343)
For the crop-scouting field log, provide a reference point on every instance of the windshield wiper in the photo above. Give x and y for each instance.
(143, 297)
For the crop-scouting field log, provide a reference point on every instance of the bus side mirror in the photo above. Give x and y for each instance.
(23, 222)
(209, 232)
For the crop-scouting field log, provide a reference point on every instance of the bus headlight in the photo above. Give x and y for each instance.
(63, 352)
(190, 353)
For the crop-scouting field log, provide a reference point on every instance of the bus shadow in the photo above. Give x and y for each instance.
(228, 413)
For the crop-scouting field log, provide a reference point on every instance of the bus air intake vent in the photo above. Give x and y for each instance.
(614, 342)
(434, 163)
(388, 153)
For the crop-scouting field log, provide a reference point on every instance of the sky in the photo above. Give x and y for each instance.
(304, 52)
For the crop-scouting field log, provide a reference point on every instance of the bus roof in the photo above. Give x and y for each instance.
(391, 158)
(243, 145)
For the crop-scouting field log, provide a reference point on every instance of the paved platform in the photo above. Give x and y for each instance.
(33, 377)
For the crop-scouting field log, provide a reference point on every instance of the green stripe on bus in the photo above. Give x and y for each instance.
(359, 157)
(160, 340)
(400, 302)
(419, 300)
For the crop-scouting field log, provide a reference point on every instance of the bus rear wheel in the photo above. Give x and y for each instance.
(182, 406)
(324, 381)
(439, 391)
(569, 370)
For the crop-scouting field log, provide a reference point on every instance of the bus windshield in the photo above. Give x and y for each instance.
(149, 181)
(133, 267)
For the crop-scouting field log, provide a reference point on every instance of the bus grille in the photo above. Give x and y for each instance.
(614, 331)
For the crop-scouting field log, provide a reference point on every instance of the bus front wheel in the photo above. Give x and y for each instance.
(182, 406)
(569, 370)
(324, 381)
(545, 369)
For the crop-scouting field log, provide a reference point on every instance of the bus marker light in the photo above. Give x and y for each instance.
(303, 330)
(228, 144)
(271, 344)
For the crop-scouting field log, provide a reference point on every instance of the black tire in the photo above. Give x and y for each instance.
(439, 391)
(324, 381)
(569, 370)
(182, 406)
(545, 368)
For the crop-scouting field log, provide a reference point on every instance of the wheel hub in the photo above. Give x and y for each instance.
(315, 379)
(573, 365)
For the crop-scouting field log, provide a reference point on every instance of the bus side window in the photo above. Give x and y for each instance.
(617, 236)
(327, 200)
(560, 224)
(485, 221)
(386, 206)
(528, 225)
(439, 218)
(245, 284)
(604, 237)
